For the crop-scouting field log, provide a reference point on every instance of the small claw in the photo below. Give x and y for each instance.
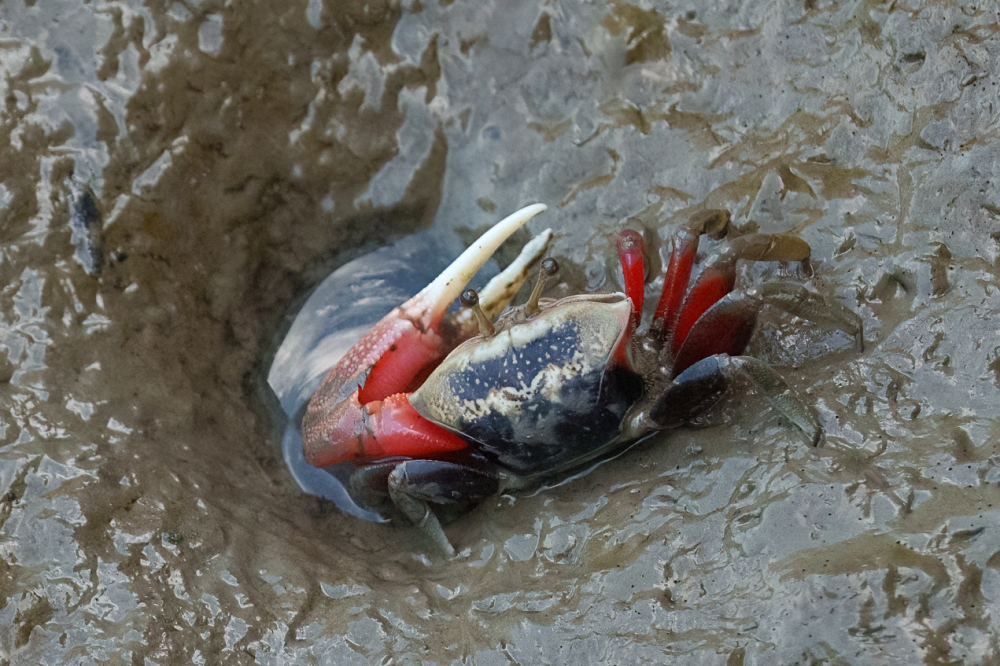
(428, 306)
(403, 347)
(497, 294)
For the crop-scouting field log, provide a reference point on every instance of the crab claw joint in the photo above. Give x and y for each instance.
(360, 410)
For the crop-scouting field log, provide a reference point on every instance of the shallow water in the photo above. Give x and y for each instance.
(239, 155)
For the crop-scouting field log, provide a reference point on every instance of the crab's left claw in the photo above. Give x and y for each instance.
(360, 410)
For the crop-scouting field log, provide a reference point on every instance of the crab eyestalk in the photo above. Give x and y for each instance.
(548, 268)
(470, 299)
(499, 292)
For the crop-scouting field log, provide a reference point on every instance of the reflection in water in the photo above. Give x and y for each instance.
(341, 309)
(238, 156)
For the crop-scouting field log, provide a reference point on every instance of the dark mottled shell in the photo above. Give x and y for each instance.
(540, 395)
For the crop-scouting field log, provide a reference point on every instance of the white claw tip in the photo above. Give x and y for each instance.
(435, 298)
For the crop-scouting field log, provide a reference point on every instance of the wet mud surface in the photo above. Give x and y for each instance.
(239, 155)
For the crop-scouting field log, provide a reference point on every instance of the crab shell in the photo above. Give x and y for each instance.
(542, 393)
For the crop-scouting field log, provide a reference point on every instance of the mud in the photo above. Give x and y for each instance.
(237, 155)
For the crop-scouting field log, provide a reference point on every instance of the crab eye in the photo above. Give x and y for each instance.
(550, 266)
(469, 298)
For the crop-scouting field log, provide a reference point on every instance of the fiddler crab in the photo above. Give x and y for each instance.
(440, 411)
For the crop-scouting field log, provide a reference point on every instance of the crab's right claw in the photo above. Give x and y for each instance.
(357, 412)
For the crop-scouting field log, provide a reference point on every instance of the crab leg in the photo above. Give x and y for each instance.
(726, 327)
(719, 276)
(713, 223)
(700, 386)
(360, 410)
(799, 301)
(715, 281)
(631, 251)
(416, 484)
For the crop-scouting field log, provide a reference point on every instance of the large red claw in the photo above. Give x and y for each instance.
(357, 412)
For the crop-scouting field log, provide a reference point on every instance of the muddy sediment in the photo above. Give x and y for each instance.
(238, 156)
